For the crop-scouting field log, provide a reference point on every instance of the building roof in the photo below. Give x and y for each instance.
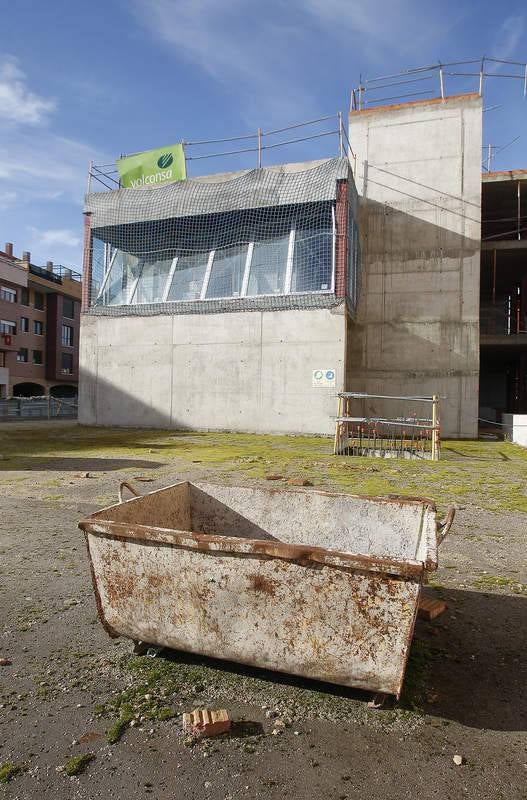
(505, 175)
(286, 184)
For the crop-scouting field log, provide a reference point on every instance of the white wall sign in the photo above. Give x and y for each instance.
(322, 378)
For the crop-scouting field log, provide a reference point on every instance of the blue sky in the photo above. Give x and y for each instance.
(81, 81)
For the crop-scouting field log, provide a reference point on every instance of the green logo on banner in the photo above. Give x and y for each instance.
(153, 167)
(165, 160)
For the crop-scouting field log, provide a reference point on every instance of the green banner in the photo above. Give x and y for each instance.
(153, 167)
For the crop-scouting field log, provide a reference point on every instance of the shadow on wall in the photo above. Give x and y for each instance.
(99, 399)
(417, 328)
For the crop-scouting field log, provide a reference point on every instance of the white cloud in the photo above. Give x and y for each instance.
(254, 58)
(7, 199)
(18, 104)
(56, 237)
(43, 165)
(267, 54)
(382, 30)
(508, 37)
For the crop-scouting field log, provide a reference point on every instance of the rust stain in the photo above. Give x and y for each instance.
(259, 583)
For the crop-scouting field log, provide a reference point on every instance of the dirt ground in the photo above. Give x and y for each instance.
(69, 689)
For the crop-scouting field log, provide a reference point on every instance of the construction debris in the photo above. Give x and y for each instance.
(299, 482)
(459, 760)
(5, 662)
(207, 722)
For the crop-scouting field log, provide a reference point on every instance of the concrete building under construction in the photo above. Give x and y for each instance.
(246, 301)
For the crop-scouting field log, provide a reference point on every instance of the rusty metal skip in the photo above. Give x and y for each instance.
(311, 583)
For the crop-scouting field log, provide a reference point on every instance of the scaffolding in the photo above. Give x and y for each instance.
(407, 435)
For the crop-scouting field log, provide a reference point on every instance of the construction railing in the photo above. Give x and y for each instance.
(405, 435)
(45, 407)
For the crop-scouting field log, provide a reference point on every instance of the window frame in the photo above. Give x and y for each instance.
(72, 301)
(11, 325)
(66, 371)
(7, 294)
(37, 323)
(38, 363)
(22, 360)
(131, 295)
(39, 294)
(70, 342)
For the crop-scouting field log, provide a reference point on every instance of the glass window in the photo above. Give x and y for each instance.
(8, 295)
(227, 271)
(68, 307)
(24, 297)
(268, 266)
(151, 285)
(312, 260)
(7, 327)
(67, 336)
(38, 327)
(188, 277)
(22, 355)
(66, 363)
(37, 356)
(123, 272)
(24, 324)
(39, 301)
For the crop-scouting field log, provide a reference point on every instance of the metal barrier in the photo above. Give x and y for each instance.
(406, 435)
(38, 408)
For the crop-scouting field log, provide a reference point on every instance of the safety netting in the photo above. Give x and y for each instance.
(261, 239)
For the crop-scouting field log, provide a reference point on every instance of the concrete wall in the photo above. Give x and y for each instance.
(418, 174)
(247, 371)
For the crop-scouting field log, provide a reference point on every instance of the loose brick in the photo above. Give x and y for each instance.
(207, 722)
(430, 609)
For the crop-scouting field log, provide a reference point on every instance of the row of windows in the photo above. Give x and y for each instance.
(23, 356)
(297, 259)
(66, 359)
(38, 328)
(10, 296)
(6, 326)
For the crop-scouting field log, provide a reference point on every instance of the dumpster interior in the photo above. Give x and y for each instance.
(403, 529)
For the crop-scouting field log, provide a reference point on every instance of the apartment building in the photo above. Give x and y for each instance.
(39, 327)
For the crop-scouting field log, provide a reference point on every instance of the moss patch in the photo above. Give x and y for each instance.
(8, 771)
(489, 474)
(492, 582)
(77, 764)
(160, 685)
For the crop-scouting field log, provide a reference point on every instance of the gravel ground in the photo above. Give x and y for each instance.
(68, 682)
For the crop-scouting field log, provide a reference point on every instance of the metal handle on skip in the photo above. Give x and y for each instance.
(126, 485)
(444, 527)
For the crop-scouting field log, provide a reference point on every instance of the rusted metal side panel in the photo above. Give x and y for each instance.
(331, 623)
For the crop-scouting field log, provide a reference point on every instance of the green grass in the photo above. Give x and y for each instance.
(489, 474)
(77, 764)
(492, 582)
(8, 771)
